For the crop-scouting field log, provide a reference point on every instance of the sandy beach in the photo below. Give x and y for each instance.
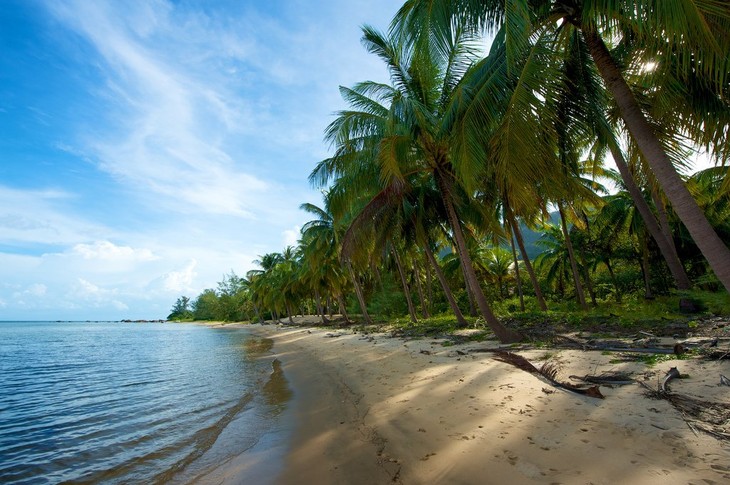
(373, 409)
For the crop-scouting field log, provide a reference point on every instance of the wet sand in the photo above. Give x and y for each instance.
(370, 409)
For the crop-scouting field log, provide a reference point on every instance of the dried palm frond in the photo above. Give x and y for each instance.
(710, 417)
(549, 371)
(609, 378)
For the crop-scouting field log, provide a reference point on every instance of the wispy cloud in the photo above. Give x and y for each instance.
(169, 115)
(39, 217)
(189, 149)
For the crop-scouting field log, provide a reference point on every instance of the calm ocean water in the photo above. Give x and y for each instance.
(131, 402)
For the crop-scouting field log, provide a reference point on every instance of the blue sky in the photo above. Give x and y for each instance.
(148, 147)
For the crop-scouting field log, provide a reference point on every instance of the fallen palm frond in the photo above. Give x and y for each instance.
(710, 417)
(607, 378)
(549, 370)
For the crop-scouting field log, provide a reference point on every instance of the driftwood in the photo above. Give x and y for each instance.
(549, 371)
(724, 381)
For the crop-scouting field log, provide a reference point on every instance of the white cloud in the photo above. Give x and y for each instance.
(107, 251)
(291, 236)
(36, 289)
(181, 281)
(98, 297)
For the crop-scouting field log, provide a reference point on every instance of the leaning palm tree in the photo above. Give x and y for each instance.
(690, 38)
(405, 128)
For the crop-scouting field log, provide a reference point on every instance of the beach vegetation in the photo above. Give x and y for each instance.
(475, 187)
(181, 310)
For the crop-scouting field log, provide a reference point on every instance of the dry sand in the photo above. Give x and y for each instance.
(372, 409)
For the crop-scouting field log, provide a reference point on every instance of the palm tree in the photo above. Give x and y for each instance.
(413, 134)
(321, 247)
(554, 258)
(695, 33)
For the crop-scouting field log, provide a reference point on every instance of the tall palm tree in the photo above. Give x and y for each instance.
(414, 132)
(694, 43)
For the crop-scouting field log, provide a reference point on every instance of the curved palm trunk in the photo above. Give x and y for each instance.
(445, 286)
(419, 286)
(712, 247)
(404, 283)
(504, 334)
(358, 293)
(528, 265)
(580, 296)
(666, 246)
(517, 273)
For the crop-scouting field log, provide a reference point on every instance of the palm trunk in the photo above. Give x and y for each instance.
(580, 296)
(645, 268)
(613, 280)
(517, 273)
(419, 287)
(521, 244)
(429, 286)
(712, 247)
(320, 310)
(504, 334)
(258, 314)
(343, 307)
(358, 293)
(404, 283)
(469, 291)
(587, 278)
(666, 246)
(666, 230)
(445, 286)
(288, 313)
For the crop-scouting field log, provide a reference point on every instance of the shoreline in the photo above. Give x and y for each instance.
(377, 409)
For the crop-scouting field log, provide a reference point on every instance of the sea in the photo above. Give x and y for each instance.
(113, 402)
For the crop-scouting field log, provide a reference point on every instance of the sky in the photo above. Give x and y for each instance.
(148, 147)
